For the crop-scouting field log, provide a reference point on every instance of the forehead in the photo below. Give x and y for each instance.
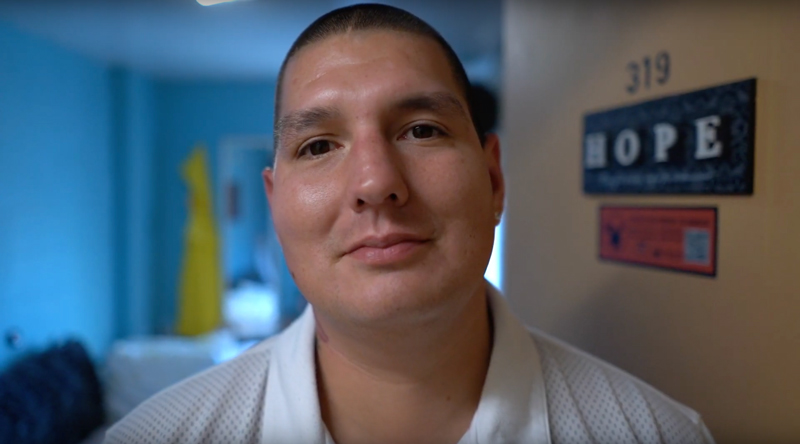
(358, 62)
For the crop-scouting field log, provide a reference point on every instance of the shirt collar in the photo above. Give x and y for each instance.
(512, 408)
(291, 408)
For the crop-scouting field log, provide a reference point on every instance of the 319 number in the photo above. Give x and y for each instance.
(643, 73)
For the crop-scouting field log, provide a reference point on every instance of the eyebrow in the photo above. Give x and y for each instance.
(439, 102)
(299, 121)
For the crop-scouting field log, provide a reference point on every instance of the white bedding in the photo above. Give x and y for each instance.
(137, 369)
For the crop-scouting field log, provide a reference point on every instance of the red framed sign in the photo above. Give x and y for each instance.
(673, 238)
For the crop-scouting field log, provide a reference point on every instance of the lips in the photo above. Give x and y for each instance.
(386, 249)
(384, 241)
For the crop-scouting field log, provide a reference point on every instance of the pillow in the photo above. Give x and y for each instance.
(50, 397)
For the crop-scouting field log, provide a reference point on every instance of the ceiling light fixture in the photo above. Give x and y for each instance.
(213, 2)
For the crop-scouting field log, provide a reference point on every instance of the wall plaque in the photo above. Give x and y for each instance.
(682, 239)
(695, 143)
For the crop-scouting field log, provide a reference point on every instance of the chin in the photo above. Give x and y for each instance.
(393, 300)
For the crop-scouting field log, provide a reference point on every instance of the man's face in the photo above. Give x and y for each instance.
(382, 197)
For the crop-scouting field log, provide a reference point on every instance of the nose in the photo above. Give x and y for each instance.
(377, 174)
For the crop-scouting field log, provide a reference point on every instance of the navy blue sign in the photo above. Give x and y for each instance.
(695, 143)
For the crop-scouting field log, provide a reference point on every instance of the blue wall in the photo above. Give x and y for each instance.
(56, 205)
(76, 210)
(134, 163)
(92, 207)
(190, 113)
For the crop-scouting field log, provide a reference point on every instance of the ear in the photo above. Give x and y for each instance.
(269, 176)
(491, 149)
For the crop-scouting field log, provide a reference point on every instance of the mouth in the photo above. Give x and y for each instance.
(387, 250)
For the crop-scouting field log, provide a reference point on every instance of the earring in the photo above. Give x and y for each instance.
(497, 216)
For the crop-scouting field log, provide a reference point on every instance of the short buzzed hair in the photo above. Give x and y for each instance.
(372, 16)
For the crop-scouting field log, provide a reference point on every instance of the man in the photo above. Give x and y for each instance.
(385, 196)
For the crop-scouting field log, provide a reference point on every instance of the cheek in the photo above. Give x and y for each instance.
(459, 195)
(458, 187)
(302, 214)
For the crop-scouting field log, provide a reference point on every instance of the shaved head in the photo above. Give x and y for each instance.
(375, 17)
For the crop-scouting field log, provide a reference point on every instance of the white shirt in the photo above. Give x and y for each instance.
(537, 390)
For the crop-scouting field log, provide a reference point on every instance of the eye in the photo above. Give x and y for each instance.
(316, 148)
(422, 132)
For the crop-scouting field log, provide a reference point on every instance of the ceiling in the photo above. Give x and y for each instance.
(246, 39)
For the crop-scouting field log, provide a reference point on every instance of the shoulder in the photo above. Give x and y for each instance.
(221, 404)
(590, 400)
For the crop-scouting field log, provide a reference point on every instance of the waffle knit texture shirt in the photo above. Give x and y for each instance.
(537, 390)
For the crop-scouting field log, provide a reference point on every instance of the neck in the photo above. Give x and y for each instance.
(418, 384)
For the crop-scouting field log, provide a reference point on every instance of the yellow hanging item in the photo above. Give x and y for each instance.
(199, 306)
